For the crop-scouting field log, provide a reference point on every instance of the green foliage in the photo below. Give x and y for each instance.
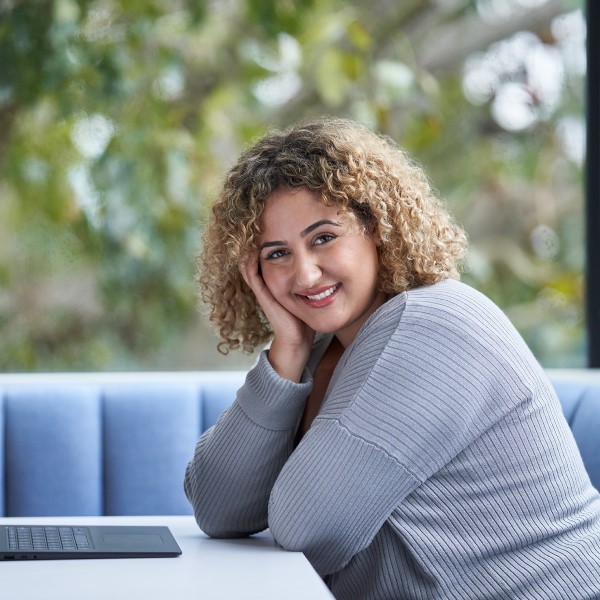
(118, 120)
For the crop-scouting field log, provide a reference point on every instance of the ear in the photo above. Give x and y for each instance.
(374, 232)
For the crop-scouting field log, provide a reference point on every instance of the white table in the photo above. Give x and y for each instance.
(208, 569)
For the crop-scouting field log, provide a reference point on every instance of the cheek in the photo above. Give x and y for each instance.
(274, 280)
(363, 254)
(369, 261)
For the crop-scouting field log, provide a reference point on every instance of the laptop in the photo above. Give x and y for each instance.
(31, 542)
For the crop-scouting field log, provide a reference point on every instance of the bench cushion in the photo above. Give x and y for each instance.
(118, 444)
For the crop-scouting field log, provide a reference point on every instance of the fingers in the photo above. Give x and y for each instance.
(244, 265)
(275, 312)
(249, 270)
(292, 338)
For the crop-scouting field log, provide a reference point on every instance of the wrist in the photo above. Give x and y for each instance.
(288, 360)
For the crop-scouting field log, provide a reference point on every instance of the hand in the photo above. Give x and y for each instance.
(293, 339)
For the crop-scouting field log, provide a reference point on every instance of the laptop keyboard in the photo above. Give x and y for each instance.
(48, 538)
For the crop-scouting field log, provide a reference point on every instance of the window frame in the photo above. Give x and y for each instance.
(592, 185)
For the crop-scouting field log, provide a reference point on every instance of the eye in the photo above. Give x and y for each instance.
(275, 254)
(323, 238)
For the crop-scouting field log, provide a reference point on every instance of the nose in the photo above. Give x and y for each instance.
(308, 271)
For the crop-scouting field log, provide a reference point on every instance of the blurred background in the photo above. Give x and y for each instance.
(119, 119)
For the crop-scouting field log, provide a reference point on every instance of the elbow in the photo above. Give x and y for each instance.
(320, 551)
(305, 533)
(286, 537)
(295, 531)
(216, 517)
(220, 527)
(210, 527)
(217, 532)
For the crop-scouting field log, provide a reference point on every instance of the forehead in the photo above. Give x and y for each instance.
(296, 208)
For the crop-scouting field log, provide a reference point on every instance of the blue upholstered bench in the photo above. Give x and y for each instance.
(104, 444)
(117, 444)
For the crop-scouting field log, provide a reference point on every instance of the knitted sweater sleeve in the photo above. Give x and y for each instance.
(422, 380)
(236, 462)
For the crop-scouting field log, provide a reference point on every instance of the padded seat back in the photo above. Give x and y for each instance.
(102, 444)
(580, 401)
(118, 444)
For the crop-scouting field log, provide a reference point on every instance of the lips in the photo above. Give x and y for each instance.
(322, 298)
(324, 294)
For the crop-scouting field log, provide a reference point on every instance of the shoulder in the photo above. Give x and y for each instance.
(446, 327)
(450, 310)
(441, 308)
(450, 297)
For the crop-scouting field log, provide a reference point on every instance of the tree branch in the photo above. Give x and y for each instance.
(449, 45)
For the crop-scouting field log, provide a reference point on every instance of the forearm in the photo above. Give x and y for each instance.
(334, 495)
(235, 464)
(231, 475)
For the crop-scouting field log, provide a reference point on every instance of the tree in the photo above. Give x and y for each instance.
(118, 120)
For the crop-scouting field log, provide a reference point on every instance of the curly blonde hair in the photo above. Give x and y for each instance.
(349, 166)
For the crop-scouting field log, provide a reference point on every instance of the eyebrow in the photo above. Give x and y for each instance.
(314, 226)
(303, 233)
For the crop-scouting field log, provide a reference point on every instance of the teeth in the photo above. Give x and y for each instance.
(323, 294)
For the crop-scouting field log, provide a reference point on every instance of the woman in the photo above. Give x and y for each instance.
(397, 430)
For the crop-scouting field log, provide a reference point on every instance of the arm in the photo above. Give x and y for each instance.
(418, 386)
(236, 462)
(334, 495)
(292, 339)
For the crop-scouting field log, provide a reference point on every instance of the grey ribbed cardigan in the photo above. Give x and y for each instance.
(439, 466)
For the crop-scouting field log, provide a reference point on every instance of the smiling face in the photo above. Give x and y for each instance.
(319, 263)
